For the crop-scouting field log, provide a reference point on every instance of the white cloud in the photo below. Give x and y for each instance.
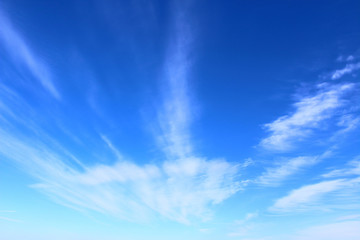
(183, 187)
(350, 58)
(177, 190)
(275, 175)
(205, 230)
(179, 108)
(349, 217)
(349, 230)
(353, 168)
(9, 219)
(244, 226)
(347, 123)
(344, 58)
(338, 230)
(306, 194)
(242, 231)
(17, 47)
(115, 151)
(249, 216)
(349, 68)
(309, 113)
(341, 193)
(247, 162)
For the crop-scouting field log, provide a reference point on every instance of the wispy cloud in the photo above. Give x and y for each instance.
(247, 162)
(350, 58)
(344, 58)
(341, 193)
(309, 113)
(349, 68)
(349, 230)
(243, 227)
(349, 217)
(347, 123)
(176, 190)
(20, 51)
(182, 187)
(111, 146)
(249, 216)
(242, 230)
(353, 168)
(334, 230)
(176, 115)
(9, 219)
(276, 175)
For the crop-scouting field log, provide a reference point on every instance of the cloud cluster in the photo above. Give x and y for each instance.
(310, 112)
(349, 68)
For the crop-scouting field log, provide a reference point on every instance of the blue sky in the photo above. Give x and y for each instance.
(180, 120)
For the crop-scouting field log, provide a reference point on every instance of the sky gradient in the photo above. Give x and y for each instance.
(180, 120)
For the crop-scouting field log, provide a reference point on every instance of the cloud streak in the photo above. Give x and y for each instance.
(176, 115)
(349, 230)
(9, 219)
(309, 113)
(276, 175)
(20, 51)
(349, 68)
(341, 193)
(353, 168)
